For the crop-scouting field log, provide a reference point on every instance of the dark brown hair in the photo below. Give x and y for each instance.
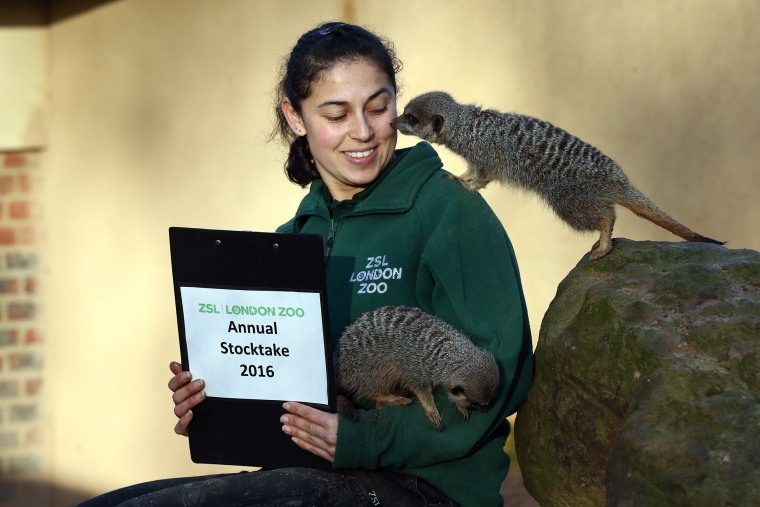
(317, 51)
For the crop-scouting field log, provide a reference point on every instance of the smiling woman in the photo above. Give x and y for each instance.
(337, 97)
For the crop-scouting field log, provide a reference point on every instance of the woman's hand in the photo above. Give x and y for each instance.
(186, 395)
(311, 429)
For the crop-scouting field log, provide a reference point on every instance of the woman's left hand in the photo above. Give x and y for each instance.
(311, 429)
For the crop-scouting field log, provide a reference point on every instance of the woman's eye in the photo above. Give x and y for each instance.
(380, 110)
(335, 118)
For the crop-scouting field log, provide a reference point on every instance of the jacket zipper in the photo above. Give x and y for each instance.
(330, 239)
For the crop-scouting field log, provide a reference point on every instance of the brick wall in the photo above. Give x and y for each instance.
(23, 449)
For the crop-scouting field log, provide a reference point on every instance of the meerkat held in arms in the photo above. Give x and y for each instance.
(580, 183)
(394, 351)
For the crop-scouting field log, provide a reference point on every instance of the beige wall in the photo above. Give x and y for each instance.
(159, 115)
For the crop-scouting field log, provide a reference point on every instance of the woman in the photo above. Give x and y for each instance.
(396, 231)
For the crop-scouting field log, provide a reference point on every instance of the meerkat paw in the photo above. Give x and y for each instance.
(436, 419)
(465, 411)
(598, 252)
(461, 181)
(468, 184)
(427, 402)
(601, 248)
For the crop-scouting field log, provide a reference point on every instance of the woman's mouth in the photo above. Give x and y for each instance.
(360, 154)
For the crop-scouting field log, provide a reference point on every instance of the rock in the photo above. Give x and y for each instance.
(647, 384)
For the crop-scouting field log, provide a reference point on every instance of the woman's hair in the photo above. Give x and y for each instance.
(317, 51)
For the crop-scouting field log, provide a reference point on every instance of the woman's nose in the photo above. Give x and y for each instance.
(361, 129)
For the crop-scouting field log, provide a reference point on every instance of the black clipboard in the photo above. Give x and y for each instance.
(230, 430)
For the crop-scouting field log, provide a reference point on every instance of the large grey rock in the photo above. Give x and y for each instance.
(647, 386)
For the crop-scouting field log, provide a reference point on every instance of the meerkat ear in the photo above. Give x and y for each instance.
(437, 123)
(457, 390)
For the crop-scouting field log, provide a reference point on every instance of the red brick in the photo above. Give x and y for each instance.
(8, 286)
(33, 337)
(33, 386)
(19, 210)
(19, 360)
(7, 236)
(25, 183)
(27, 235)
(33, 436)
(6, 184)
(30, 285)
(14, 160)
(21, 311)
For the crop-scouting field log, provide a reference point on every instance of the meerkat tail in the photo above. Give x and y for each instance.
(640, 204)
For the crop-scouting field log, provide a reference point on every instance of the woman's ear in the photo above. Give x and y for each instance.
(294, 119)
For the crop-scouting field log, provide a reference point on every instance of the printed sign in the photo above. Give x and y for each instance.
(251, 344)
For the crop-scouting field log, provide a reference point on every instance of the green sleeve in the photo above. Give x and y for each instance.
(468, 276)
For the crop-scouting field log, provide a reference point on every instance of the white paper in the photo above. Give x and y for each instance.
(263, 345)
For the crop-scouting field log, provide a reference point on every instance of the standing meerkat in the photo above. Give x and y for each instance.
(580, 183)
(393, 351)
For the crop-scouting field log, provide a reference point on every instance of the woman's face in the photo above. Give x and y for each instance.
(347, 121)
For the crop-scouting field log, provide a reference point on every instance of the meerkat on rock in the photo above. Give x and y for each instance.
(580, 183)
(393, 351)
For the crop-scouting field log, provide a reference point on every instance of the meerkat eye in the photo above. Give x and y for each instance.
(457, 390)
(411, 119)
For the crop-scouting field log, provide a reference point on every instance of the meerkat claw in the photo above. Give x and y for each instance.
(435, 418)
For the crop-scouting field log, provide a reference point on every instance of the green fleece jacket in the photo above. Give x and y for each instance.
(417, 238)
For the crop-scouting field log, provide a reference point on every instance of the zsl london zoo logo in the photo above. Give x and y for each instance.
(374, 277)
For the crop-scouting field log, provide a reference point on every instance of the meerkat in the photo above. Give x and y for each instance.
(579, 182)
(393, 351)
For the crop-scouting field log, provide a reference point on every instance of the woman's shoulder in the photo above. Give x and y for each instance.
(443, 200)
(444, 189)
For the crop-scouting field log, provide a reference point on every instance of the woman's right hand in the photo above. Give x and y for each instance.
(186, 395)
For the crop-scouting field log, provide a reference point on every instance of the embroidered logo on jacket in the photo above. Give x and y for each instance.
(375, 276)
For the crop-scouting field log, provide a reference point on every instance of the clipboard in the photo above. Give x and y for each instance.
(253, 323)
